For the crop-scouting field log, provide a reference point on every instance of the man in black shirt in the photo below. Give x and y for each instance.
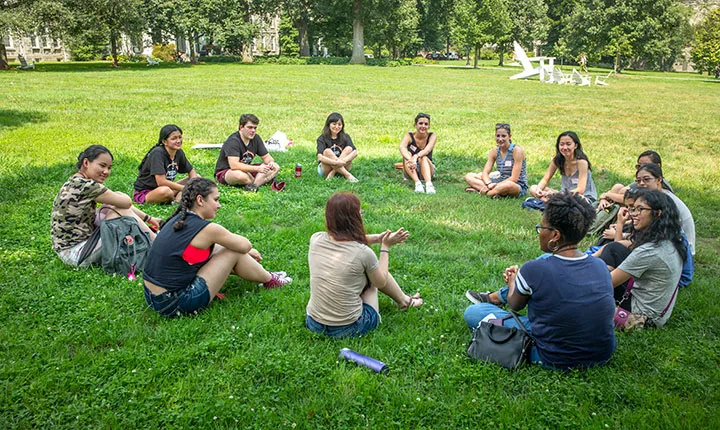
(234, 165)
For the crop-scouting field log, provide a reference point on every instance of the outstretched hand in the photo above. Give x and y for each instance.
(389, 238)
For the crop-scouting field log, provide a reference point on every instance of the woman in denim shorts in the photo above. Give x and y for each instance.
(345, 274)
(192, 257)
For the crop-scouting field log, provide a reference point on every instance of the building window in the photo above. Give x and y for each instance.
(7, 40)
(57, 44)
(46, 42)
(34, 41)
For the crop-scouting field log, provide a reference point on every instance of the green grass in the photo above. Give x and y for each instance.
(80, 349)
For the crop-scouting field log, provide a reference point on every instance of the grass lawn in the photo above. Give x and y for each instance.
(80, 349)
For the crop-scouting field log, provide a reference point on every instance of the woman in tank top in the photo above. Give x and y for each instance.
(191, 257)
(574, 167)
(416, 149)
(509, 159)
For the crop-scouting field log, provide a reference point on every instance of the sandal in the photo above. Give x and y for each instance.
(412, 303)
(471, 190)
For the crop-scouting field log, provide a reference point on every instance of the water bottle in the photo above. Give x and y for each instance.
(298, 170)
(363, 360)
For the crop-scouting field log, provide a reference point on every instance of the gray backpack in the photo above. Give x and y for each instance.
(124, 246)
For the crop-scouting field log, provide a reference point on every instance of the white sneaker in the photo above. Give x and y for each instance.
(430, 188)
(419, 188)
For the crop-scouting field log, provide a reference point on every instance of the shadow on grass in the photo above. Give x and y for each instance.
(15, 118)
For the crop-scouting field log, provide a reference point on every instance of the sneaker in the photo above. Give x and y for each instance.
(430, 188)
(419, 188)
(276, 281)
(251, 188)
(477, 297)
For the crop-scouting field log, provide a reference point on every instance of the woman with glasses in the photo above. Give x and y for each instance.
(416, 149)
(509, 160)
(650, 176)
(346, 275)
(654, 259)
(617, 192)
(568, 294)
(575, 170)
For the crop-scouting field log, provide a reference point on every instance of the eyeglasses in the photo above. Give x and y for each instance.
(638, 209)
(539, 227)
(645, 180)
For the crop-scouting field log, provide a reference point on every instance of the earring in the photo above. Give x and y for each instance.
(553, 248)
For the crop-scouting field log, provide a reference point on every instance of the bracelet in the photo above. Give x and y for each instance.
(147, 217)
(385, 250)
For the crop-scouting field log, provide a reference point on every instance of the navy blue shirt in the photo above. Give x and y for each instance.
(571, 309)
(165, 265)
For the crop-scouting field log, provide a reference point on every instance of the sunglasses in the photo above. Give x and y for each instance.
(423, 115)
(502, 125)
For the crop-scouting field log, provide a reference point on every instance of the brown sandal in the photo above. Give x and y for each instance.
(471, 190)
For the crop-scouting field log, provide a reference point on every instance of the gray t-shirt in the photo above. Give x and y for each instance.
(686, 219)
(571, 182)
(656, 269)
(338, 274)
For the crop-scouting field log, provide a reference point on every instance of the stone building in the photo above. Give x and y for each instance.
(35, 48)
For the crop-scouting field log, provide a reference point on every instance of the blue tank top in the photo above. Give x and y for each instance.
(505, 166)
(165, 265)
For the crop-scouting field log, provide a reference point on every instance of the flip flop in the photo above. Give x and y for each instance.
(398, 166)
(220, 296)
(277, 186)
(470, 190)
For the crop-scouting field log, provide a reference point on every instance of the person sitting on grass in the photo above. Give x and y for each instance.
(75, 215)
(192, 257)
(345, 274)
(157, 172)
(416, 149)
(654, 259)
(575, 170)
(509, 160)
(617, 192)
(651, 176)
(568, 294)
(235, 166)
(335, 149)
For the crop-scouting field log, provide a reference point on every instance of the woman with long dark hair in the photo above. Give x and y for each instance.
(159, 168)
(192, 257)
(568, 294)
(575, 170)
(75, 216)
(345, 274)
(416, 149)
(335, 149)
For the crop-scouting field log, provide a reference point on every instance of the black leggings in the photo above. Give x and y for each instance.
(613, 254)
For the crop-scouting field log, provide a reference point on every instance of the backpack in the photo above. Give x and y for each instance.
(603, 219)
(124, 246)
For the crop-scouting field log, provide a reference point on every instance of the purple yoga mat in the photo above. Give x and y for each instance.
(363, 360)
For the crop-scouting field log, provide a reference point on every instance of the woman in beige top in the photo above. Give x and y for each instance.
(345, 274)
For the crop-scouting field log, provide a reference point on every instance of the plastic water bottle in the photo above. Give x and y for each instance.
(363, 360)
(298, 170)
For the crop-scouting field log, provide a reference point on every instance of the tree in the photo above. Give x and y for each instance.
(527, 22)
(706, 44)
(358, 50)
(394, 24)
(477, 22)
(20, 17)
(289, 37)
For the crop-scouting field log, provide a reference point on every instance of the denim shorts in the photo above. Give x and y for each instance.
(523, 187)
(189, 300)
(368, 321)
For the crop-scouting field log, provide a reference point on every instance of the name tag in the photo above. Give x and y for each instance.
(508, 163)
(574, 181)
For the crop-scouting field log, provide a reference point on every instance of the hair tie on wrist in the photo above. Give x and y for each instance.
(385, 250)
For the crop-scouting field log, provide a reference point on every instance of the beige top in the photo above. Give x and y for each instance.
(338, 274)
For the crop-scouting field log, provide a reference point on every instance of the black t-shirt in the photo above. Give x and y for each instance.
(235, 147)
(337, 145)
(413, 147)
(158, 162)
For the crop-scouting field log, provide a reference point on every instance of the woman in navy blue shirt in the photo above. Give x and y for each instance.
(568, 294)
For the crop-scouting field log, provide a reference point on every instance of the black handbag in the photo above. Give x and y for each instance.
(507, 346)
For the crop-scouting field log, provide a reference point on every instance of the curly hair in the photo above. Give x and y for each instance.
(91, 153)
(195, 187)
(559, 160)
(570, 214)
(665, 224)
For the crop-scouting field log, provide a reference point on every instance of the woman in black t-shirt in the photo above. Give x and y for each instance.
(335, 149)
(157, 171)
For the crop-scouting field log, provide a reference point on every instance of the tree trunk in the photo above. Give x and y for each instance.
(303, 35)
(502, 55)
(477, 54)
(358, 52)
(113, 49)
(191, 47)
(467, 56)
(3, 56)
(247, 56)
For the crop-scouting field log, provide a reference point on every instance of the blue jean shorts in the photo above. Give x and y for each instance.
(189, 300)
(523, 187)
(368, 321)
